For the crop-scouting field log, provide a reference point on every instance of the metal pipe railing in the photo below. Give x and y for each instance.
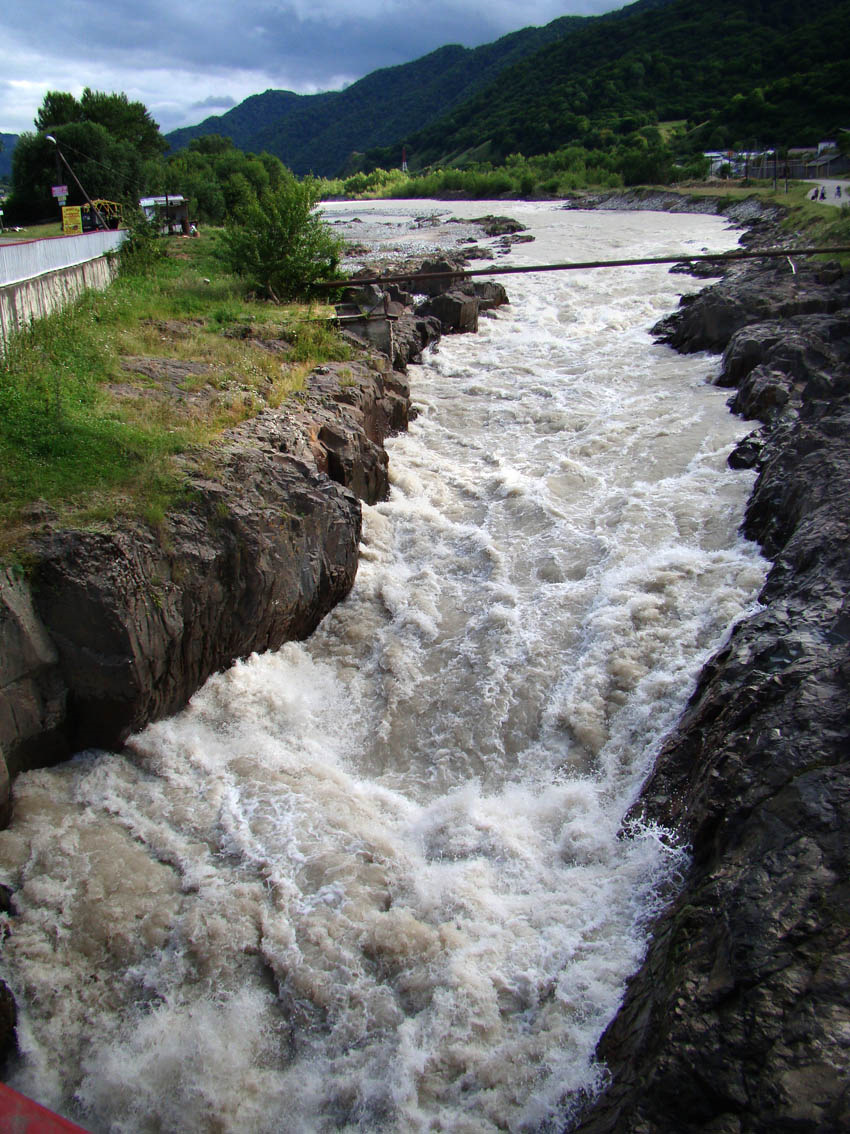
(461, 273)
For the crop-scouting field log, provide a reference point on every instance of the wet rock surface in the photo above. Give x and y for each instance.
(435, 300)
(739, 1019)
(750, 293)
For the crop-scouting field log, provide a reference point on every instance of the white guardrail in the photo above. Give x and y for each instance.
(32, 258)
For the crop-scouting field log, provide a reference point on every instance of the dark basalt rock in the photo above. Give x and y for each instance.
(450, 270)
(747, 453)
(738, 1020)
(457, 311)
(752, 292)
(488, 293)
(413, 333)
(763, 394)
(499, 226)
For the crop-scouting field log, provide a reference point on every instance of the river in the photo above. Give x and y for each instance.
(377, 881)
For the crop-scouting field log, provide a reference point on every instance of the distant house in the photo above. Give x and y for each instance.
(170, 211)
(814, 162)
(801, 163)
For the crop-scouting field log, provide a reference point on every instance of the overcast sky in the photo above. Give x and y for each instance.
(189, 60)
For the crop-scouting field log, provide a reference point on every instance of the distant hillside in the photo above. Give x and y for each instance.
(318, 133)
(737, 71)
(8, 142)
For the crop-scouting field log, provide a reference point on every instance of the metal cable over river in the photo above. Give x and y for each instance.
(378, 880)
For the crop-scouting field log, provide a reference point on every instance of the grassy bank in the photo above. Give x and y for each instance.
(97, 399)
(816, 223)
(31, 232)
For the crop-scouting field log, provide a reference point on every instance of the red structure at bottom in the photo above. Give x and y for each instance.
(20, 1115)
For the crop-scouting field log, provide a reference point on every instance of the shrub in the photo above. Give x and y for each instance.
(280, 245)
(142, 247)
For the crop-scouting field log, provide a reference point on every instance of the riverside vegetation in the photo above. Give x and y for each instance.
(90, 437)
(89, 431)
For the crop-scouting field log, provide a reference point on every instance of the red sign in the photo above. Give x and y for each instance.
(59, 190)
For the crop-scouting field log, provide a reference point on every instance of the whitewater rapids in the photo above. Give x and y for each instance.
(377, 881)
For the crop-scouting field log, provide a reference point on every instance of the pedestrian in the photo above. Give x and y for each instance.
(838, 190)
(823, 193)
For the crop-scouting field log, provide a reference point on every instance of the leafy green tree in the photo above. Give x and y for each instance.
(218, 179)
(58, 108)
(104, 167)
(125, 121)
(211, 144)
(109, 142)
(281, 245)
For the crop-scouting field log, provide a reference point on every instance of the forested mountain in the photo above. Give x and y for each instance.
(736, 71)
(318, 133)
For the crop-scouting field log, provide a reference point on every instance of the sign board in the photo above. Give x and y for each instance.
(72, 220)
(59, 190)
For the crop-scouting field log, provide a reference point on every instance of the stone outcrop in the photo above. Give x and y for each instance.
(457, 311)
(738, 1021)
(752, 292)
(109, 629)
(457, 306)
(749, 211)
(388, 317)
(115, 627)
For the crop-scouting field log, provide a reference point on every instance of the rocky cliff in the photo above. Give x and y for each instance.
(114, 627)
(739, 1021)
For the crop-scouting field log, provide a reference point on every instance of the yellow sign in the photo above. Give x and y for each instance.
(72, 220)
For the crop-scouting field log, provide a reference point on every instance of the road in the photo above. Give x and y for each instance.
(830, 185)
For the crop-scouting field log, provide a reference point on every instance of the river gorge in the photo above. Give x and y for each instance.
(383, 879)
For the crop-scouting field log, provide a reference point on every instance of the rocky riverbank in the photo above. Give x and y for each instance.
(108, 629)
(738, 1022)
(117, 626)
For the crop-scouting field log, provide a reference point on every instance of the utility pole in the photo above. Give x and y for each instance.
(92, 205)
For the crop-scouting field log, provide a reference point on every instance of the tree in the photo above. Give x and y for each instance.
(281, 245)
(211, 144)
(58, 108)
(104, 166)
(108, 140)
(124, 120)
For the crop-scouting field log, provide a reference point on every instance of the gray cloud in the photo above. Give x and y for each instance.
(214, 102)
(175, 59)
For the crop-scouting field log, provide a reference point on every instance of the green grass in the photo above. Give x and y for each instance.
(34, 232)
(92, 439)
(808, 222)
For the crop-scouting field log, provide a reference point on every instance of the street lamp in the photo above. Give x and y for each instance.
(94, 208)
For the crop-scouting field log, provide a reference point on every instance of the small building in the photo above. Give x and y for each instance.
(170, 212)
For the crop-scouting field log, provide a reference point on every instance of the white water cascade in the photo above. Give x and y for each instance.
(376, 881)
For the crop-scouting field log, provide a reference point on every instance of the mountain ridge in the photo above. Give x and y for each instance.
(318, 133)
(660, 65)
(730, 72)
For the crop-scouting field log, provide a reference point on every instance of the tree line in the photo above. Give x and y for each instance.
(118, 153)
